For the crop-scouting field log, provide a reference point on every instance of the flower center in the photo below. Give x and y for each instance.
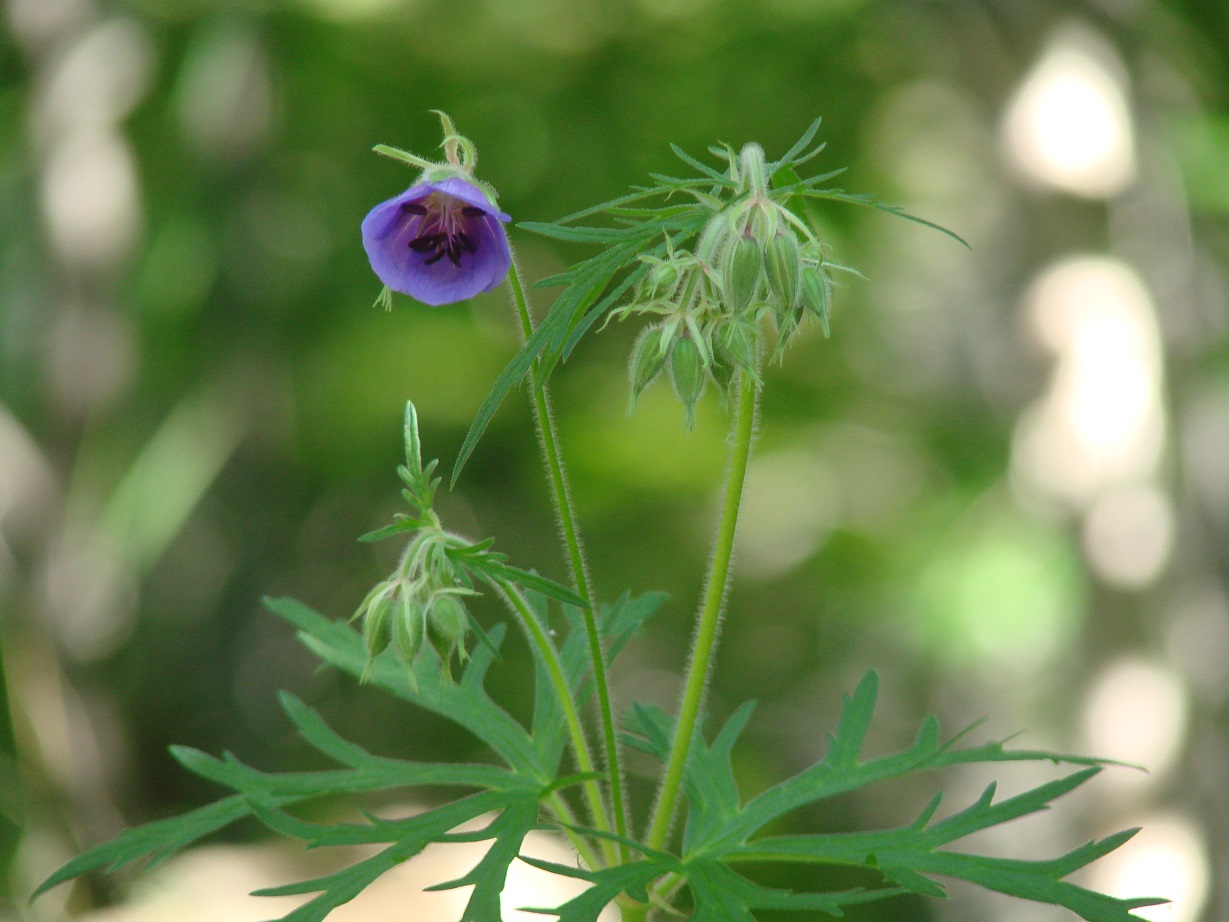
(442, 230)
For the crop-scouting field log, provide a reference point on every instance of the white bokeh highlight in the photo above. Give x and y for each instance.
(1069, 125)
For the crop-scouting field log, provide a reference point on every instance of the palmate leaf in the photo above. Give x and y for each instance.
(464, 702)
(908, 855)
(723, 836)
(511, 795)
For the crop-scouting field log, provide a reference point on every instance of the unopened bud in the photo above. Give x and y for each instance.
(376, 623)
(660, 281)
(817, 295)
(753, 170)
(712, 238)
(450, 621)
(409, 630)
(646, 362)
(687, 374)
(737, 340)
(741, 273)
(782, 263)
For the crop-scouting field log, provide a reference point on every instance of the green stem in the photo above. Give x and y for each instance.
(580, 746)
(709, 617)
(561, 811)
(634, 912)
(544, 421)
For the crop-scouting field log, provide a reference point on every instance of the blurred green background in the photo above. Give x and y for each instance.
(1003, 482)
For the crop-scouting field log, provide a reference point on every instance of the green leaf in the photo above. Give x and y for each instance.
(487, 877)
(838, 195)
(466, 703)
(509, 378)
(156, 841)
(607, 885)
(720, 178)
(496, 571)
(799, 146)
(720, 833)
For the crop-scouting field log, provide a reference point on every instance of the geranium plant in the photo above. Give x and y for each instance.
(725, 268)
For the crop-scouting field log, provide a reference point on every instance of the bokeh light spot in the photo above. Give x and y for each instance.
(1068, 125)
(1135, 711)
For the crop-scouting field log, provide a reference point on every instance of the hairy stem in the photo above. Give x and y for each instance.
(580, 746)
(709, 616)
(548, 438)
(560, 810)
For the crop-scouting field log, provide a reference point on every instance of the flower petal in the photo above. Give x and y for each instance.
(476, 247)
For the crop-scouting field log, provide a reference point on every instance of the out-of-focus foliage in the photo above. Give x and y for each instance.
(1002, 482)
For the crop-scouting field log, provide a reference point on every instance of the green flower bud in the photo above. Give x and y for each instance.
(377, 622)
(409, 630)
(449, 621)
(687, 374)
(737, 340)
(646, 362)
(752, 168)
(741, 273)
(712, 238)
(764, 223)
(817, 295)
(783, 265)
(787, 320)
(660, 281)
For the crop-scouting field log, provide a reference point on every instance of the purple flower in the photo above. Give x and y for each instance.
(438, 242)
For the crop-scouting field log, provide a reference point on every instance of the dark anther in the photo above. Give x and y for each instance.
(413, 208)
(439, 254)
(472, 211)
(425, 242)
(454, 252)
(466, 243)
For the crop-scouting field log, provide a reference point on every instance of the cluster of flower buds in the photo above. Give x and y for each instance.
(754, 261)
(422, 602)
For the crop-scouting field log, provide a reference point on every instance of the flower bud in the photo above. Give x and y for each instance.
(737, 340)
(660, 281)
(646, 362)
(687, 374)
(753, 169)
(782, 263)
(450, 621)
(741, 273)
(817, 295)
(376, 623)
(409, 630)
(712, 238)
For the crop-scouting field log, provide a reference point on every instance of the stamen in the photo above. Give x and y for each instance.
(439, 254)
(425, 242)
(454, 254)
(413, 208)
(464, 240)
(473, 211)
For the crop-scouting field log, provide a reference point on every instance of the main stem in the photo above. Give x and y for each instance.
(544, 421)
(710, 613)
